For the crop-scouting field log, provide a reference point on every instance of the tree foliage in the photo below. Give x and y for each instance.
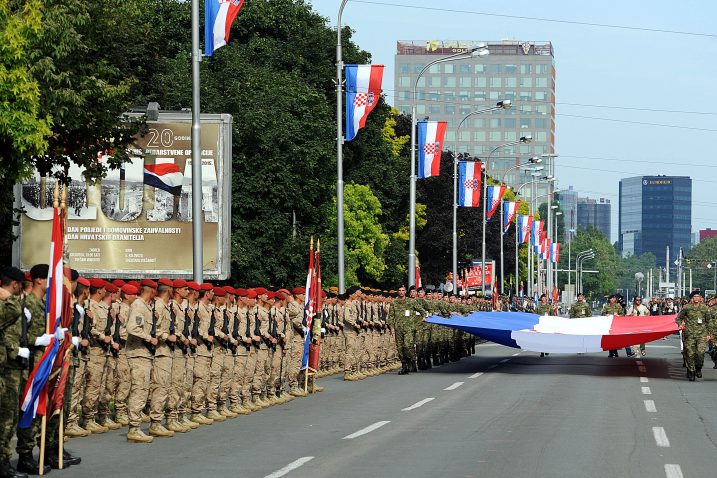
(606, 262)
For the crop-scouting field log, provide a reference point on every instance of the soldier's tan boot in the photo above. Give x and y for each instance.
(137, 436)
(317, 388)
(145, 417)
(94, 427)
(188, 423)
(110, 424)
(216, 416)
(239, 409)
(156, 429)
(259, 402)
(228, 413)
(251, 405)
(75, 431)
(122, 419)
(176, 427)
(201, 419)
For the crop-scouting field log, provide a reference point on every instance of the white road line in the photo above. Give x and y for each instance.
(642, 368)
(418, 404)
(454, 386)
(646, 391)
(504, 361)
(662, 346)
(366, 430)
(639, 362)
(661, 437)
(673, 471)
(291, 466)
(650, 406)
(476, 375)
(644, 379)
(515, 355)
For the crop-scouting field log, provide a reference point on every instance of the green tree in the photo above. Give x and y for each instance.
(702, 259)
(606, 262)
(631, 265)
(365, 240)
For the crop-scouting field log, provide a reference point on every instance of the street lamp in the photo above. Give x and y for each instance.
(481, 50)
(586, 255)
(523, 139)
(339, 152)
(555, 238)
(505, 104)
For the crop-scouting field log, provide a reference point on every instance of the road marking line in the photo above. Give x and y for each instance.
(366, 430)
(418, 404)
(644, 379)
(673, 471)
(650, 406)
(662, 346)
(515, 355)
(454, 386)
(639, 362)
(476, 375)
(661, 437)
(646, 391)
(504, 361)
(642, 368)
(291, 466)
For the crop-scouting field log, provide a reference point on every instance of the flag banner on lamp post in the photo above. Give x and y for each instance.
(469, 183)
(363, 89)
(430, 144)
(493, 195)
(525, 223)
(509, 210)
(219, 17)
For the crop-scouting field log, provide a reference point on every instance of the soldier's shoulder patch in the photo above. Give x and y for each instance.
(139, 319)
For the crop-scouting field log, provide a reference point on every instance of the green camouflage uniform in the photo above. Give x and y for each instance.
(400, 317)
(544, 309)
(10, 330)
(697, 327)
(580, 309)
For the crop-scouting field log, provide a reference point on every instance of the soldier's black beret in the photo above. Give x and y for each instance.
(352, 290)
(74, 275)
(39, 271)
(695, 292)
(413, 287)
(343, 297)
(13, 273)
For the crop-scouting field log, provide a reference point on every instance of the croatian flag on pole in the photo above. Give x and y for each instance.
(469, 183)
(308, 309)
(363, 89)
(509, 210)
(219, 16)
(493, 195)
(555, 252)
(430, 143)
(524, 224)
(165, 176)
(537, 229)
(34, 397)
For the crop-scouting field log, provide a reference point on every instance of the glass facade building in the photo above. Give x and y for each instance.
(655, 212)
(596, 213)
(523, 72)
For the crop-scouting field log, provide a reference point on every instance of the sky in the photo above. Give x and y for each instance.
(621, 76)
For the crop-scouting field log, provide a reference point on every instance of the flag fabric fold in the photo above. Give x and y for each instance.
(469, 183)
(219, 17)
(363, 89)
(308, 308)
(430, 144)
(165, 176)
(525, 223)
(555, 252)
(493, 195)
(509, 210)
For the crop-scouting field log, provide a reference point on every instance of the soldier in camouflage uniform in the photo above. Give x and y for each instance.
(544, 308)
(694, 320)
(612, 308)
(400, 318)
(580, 308)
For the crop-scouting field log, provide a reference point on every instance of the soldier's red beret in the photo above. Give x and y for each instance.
(97, 283)
(241, 292)
(129, 289)
(260, 290)
(193, 285)
(220, 292)
(206, 286)
(148, 283)
(251, 294)
(165, 281)
(134, 283)
(298, 290)
(28, 277)
(269, 294)
(118, 282)
(83, 281)
(230, 290)
(111, 288)
(178, 283)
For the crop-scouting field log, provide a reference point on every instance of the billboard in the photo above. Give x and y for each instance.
(474, 276)
(137, 221)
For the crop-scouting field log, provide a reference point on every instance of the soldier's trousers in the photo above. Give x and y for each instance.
(78, 391)
(351, 352)
(215, 377)
(162, 382)
(188, 383)
(235, 388)
(140, 369)
(202, 371)
(123, 382)
(177, 386)
(107, 391)
(296, 355)
(261, 374)
(249, 370)
(93, 382)
(227, 377)
(10, 401)
(276, 369)
(694, 351)
(405, 343)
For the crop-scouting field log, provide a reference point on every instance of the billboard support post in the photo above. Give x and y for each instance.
(197, 216)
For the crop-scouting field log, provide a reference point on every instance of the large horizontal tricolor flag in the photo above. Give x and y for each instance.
(430, 144)
(469, 183)
(493, 195)
(559, 334)
(363, 89)
(525, 223)
(509, 210)
(165, 176)
(555, 252)
(219, 16)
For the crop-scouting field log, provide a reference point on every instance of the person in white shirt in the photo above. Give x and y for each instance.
(638, 309)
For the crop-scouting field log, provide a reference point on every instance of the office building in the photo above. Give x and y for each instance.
(568, 199)
(707, 234)
(523, 72)
(596, 213)
(655, 212)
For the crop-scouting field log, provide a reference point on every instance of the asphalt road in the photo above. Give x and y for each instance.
(500, 413)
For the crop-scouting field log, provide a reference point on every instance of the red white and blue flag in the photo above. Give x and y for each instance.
(493, 195)
(509, 210)
(536, 232)
(219, 16)
(34, 397)
(363, 89)
(469, 183)
(165, 176)
(555, 252)
(430, 144)
(524, 225)
(309, 307)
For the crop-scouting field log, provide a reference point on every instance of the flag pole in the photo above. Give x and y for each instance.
(339, 153)
(61, 425)
(197, 216)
